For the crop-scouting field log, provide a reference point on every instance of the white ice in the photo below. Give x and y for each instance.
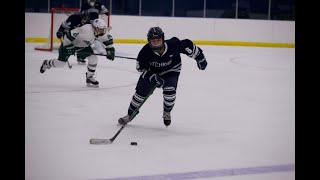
(238, 113)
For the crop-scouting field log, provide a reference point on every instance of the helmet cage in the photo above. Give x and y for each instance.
(100, 27)
(99, 31)
(85, 17)
(155, 33)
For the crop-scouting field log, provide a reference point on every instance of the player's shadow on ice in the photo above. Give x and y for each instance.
(199, 135)
(160, 130)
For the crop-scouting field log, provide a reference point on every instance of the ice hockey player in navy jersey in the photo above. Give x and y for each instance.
(74, 20)
(94, 8)
(159, 62)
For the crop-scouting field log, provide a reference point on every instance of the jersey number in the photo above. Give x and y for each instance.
(188, 50)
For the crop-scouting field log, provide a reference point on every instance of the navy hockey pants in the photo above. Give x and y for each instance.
(144, 87)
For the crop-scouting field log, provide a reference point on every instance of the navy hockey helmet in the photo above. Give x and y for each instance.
(85, 17)
(155, 33)
(91, 2)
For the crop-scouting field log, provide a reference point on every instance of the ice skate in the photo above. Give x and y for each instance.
(91, 82)
(81, 61)
(166, 118)
(44, 66)
(124, 120)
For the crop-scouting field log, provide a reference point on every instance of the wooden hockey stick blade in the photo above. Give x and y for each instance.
(109, 141)
(100, 141)
(106, 141)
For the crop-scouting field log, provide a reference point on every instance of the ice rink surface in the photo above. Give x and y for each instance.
(233, 121)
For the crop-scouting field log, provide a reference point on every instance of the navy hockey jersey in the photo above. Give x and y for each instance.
(72, 22)
(95, 10)
(170, 61)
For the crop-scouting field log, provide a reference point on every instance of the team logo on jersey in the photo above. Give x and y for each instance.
(75, 34)
(87, 42)
(162, 64)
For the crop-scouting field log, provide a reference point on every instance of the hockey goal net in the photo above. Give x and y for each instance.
(58, 15)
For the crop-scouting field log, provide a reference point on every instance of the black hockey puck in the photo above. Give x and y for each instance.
(134, 143)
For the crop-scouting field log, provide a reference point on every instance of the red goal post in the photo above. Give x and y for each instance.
(58, 15)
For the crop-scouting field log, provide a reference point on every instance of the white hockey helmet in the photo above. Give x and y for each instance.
(100, 27)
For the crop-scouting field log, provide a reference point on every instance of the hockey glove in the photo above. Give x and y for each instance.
(156, 79)
(59, 34)
(110, 53)
(202, 64)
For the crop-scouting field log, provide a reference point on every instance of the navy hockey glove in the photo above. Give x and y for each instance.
(110, 53)
(202, 64)
(156, 79)
(59, 34)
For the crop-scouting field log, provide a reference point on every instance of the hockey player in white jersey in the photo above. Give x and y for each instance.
(79, 40)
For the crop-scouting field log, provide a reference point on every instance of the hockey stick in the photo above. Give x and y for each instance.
(125, 57)
(106, 55)
(70, 66)
(109, 141)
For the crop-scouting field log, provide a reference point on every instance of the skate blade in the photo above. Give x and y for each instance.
(92, 85)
